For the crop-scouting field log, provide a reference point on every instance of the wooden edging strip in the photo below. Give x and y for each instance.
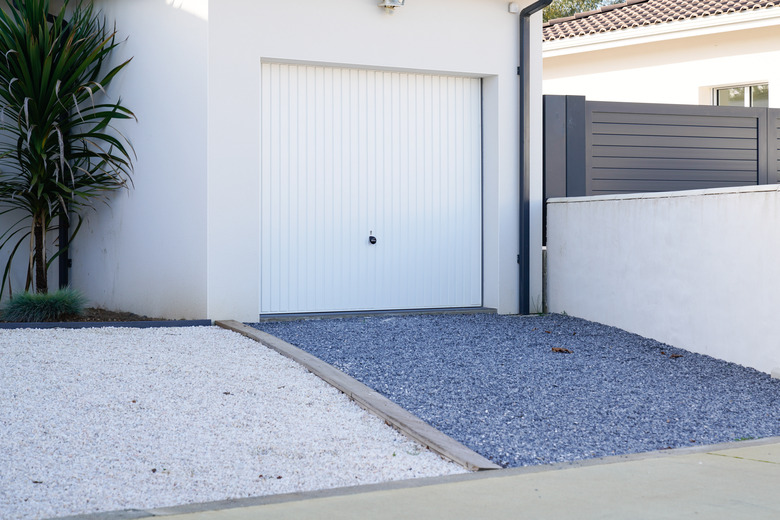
(408, 424)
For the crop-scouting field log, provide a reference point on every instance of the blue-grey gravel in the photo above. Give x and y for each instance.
(526, 390)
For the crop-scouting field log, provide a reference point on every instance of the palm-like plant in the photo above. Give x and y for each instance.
(58, 148)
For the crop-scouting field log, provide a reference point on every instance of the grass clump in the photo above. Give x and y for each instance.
(37, 307)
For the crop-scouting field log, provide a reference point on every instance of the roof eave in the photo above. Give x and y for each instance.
(664, 31)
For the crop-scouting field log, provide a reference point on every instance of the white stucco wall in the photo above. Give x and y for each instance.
(185, 242)
(697, 269)
(677, 62)
(536, 180)
(146, 252)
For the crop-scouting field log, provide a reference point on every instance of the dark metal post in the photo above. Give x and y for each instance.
(524, 71)
(576, 128)
(773, 152)
(63, 259)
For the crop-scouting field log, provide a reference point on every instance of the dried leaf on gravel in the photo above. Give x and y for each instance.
(561, 350)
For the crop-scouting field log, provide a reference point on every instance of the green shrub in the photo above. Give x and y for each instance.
(36, 307)
(60, 153)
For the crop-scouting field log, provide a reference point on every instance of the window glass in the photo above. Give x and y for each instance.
(731, 97)
(759, 96)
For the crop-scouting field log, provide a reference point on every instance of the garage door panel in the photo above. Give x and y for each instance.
(348, 153)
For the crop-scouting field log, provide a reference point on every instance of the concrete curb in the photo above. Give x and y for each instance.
(98, 324)
(408, 424)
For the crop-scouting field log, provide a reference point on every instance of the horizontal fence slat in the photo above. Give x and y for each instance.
(675, 119)
(662, 163)
(673, 153)
(669, 108)
(672, 175)
(676, 141)
(657, 130)
(632, 186)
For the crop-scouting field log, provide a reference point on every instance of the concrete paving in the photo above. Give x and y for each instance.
(728, 481)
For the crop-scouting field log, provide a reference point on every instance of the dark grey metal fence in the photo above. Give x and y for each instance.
(599, 148)
(774, 145)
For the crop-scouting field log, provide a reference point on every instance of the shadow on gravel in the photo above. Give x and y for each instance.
(525, 390)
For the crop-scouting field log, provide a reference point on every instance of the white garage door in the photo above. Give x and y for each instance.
(350, 154)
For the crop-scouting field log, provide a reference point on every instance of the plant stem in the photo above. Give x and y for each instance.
(41, 281)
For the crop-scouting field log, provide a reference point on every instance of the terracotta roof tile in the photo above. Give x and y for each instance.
(636, 13)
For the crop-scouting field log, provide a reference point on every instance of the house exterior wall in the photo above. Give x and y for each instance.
(146, 251)
(458, 37)
(696, 269)
(678, 62)
(185, 242)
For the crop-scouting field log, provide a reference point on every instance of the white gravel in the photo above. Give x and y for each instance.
(108, 419)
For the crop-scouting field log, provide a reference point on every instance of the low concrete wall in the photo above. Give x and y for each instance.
(699, 270)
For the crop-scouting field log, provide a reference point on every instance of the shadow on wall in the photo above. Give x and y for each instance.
(144, 251)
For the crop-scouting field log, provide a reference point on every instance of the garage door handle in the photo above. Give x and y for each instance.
(372, 240)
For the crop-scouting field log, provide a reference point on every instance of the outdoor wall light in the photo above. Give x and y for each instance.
(390, 5)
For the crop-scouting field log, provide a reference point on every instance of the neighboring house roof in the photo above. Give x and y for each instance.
(637, 13)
